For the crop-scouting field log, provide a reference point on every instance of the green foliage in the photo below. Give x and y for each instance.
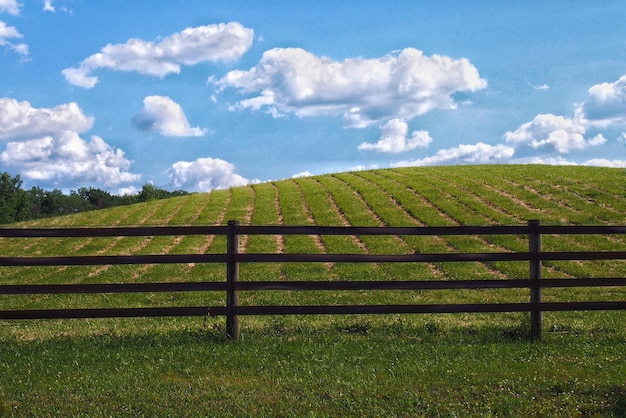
(18, 205)
(14, 202)
(151, 192)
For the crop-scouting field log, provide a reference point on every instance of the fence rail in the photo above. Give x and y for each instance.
(232, 258)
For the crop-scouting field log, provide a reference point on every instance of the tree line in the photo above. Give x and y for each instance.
(17, 204)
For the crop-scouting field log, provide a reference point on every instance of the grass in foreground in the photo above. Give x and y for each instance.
(317, 366)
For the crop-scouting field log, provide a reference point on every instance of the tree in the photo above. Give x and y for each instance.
(15, 203)
(37, 196)
(52, 204)
(97, 199)
(151, 192)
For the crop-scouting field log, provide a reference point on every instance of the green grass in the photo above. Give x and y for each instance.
(314, 366)
(386, 365)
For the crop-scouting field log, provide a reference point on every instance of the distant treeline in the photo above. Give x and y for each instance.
(17, 204)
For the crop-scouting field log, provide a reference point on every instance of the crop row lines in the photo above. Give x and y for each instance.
(396, 215)
(568, 243)
(464, 213)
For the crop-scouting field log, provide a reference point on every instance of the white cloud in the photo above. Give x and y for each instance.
(606, 103)
(44, 144)
(596, 140)
(393, 138)
(205, 174)
(542, 140)
(165, 116)
(68, 159)
(302, 174)
(604, 107)
(539, 87)
(556, 132)
(601, 162)
(558, 160)
(597, 162)
(403, 84)
(220, 42)
(8, 33)
(363, 168)
(80, 77)
(479, 153)
(10, 6)
(19, 120)
(127, 191)
(48, 7)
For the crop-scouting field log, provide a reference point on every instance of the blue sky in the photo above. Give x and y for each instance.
(199, 95)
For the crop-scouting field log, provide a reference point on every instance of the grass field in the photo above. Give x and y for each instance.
(392, 365)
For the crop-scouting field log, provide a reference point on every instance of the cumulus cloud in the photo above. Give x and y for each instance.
(606, 103)
(602, 162)
(547, 137)
(553, 132)
(479, 153)
(205, 174)
(44, 144)
(605, 107)
(19, 120)
(163, 115)
(10, 6)
(219, 42)
(9, 33)
(393, 138)
(403, 84)
(68, 158)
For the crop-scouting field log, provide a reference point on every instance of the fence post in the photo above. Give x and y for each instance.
(232, 276)
(534, 244)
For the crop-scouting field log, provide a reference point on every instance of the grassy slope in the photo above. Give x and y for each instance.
(391, 365)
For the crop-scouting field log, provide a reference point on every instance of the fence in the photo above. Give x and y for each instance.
(232, 286)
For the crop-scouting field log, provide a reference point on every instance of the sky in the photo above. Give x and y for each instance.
(201, 95)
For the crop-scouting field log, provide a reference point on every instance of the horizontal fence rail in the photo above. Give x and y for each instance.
(232, 258)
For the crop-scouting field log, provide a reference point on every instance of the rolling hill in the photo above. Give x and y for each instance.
(432, 196)
(354, 365)
(450, 195)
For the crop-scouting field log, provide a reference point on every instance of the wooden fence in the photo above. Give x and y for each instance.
(232, 258)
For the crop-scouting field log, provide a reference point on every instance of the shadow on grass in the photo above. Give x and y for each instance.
(428, 331)
(439, 329)
(305, 357)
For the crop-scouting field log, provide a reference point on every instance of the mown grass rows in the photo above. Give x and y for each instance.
(178, 211)
(570, 187)
(400, 197)
(558, 211)
(393, 213)
(472, 200)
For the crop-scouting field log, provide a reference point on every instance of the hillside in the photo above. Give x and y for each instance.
(434, 196)
(450, 195)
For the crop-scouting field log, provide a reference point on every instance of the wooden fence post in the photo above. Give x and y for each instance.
(232, 276)
(534, 244)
